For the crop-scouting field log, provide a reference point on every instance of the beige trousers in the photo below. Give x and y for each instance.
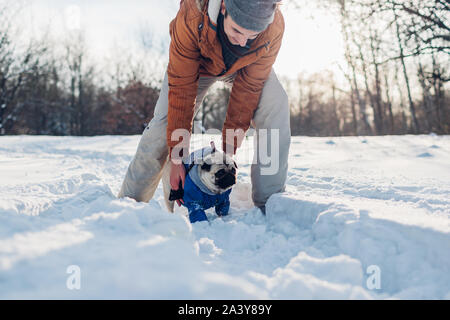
(145, 170)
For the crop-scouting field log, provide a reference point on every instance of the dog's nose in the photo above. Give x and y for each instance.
(226, 180)
(220, 173)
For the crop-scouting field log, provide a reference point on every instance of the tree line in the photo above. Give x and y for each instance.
(54, 87)
(396, 75)
(397, 58)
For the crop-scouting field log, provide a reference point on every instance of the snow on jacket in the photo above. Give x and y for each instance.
(195, 51)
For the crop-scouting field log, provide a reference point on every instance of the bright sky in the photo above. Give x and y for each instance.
(312, 40)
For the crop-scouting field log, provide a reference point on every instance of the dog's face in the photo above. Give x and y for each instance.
(218, 172)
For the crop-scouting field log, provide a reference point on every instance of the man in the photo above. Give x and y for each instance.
(236, 41)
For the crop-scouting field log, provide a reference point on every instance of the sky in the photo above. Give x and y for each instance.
(312, 40)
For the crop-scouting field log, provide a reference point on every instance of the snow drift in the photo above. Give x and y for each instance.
(352, 205)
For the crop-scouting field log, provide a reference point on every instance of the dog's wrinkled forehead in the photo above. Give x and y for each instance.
(219, 158)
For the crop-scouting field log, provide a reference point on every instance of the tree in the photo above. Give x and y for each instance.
(16, 65)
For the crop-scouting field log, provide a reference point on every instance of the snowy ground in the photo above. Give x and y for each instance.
(356, 210)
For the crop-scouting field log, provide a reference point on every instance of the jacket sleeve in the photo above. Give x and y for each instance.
(223, 207)
(246, 91)
(183, 73)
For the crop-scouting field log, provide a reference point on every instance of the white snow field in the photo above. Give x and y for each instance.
(361, 218)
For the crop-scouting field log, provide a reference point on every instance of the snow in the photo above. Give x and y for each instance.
(352, 205)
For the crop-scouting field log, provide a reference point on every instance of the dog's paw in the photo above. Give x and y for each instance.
(197, 215)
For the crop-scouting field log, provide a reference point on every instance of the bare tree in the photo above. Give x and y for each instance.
(412, 107)
(16, 64)
(80, 74)
(389, 102)
(214, 107)
(353, 69)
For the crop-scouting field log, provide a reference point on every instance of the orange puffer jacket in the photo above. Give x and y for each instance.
(195, 51)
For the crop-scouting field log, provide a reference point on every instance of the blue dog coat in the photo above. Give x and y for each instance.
(197, 197)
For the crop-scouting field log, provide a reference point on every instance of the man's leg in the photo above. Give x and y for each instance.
(145, 170)
(272, 113)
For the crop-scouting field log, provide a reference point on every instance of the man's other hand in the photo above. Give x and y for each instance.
(177, 173)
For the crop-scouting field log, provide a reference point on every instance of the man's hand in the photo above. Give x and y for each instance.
(177, 173)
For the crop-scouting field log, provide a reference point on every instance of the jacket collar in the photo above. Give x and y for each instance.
(195, 177)
(192, 169)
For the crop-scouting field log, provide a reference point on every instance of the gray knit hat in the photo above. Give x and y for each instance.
(253, 15)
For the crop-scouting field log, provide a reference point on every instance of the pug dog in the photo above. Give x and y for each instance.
(210, 176)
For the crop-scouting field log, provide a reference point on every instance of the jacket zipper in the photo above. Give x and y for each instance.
(254, 50)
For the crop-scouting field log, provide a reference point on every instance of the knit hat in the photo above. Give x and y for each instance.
(253, 15)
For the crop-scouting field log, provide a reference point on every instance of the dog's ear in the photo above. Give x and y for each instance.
(235, 164)
(205, 166)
